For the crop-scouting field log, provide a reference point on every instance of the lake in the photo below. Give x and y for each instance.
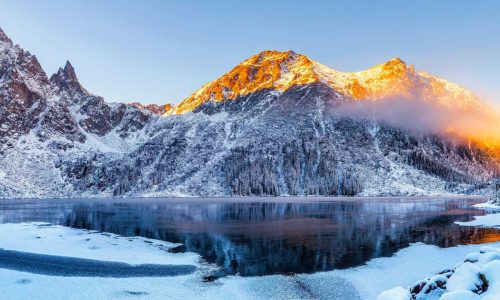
(260, 236)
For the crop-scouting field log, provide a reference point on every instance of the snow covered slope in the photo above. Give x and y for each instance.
(44, 122)
(272, 126)
(283, 70)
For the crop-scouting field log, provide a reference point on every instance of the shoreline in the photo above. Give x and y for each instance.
(246, 199)
(362, 282)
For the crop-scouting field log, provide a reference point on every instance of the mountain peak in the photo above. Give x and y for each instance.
(69, 71)
(272, 55)
(276, 70)
(268, 69)
(396, 64)
(395, 61)
(66, 80)
(4, 38)
(394, 67)
(395, 79)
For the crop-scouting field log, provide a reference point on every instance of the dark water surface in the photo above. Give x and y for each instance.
(257, 236)
(80, 267)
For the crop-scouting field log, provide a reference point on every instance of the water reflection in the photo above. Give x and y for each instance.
(257, 238)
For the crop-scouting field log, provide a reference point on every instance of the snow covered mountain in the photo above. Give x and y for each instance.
(283, 70)
(44, 121)
(272, 126)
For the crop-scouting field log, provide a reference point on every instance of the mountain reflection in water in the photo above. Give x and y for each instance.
(255, 236)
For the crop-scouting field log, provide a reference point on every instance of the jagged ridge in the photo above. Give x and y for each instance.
(282, 70)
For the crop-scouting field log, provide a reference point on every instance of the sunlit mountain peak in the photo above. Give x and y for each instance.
(266, 70)
(275, 70)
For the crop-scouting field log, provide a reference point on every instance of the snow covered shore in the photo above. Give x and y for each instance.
(56, 240)
(364, 282)
(477, 276)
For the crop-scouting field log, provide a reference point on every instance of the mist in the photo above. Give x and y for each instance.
(423, 117)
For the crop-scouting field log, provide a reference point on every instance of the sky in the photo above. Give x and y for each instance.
(162, 51)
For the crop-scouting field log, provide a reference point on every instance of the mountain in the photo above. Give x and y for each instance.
(47, 120)
(282, 70)
(274, 125)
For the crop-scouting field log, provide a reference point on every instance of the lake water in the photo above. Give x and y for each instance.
(259, 236)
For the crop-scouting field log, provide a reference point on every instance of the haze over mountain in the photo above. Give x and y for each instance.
(393, 92)
(277, 124)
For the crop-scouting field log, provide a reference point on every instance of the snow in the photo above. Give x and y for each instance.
(460, 295)
(379, 85)
(466, 277)
(488, 205)
(364, 282)
(59, 240)
(43, 238)
(476, 277)
(186, 155)
(397, 293)
(488, 220)
(404, 268)
(491, 271)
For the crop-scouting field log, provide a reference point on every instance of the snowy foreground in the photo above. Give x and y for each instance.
(476, 276)
(364, 282)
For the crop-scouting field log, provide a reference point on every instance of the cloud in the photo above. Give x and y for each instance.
(422, 117)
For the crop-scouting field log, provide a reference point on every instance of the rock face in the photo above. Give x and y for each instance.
(154, 108)
(271, 126)
(24, 91)
(43, 122)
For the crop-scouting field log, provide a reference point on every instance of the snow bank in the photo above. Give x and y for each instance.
(397, 293)
(460, 295)
(476, 277)
(43, 238)
(492, 219)
(404, 268)
(488, 205)
(363, 282)
(489, 220)
(47, 239)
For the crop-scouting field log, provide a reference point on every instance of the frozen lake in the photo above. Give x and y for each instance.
(263, 236)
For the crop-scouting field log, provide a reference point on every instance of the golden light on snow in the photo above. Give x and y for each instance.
(463, 114)
(266, 70)
(282, 70)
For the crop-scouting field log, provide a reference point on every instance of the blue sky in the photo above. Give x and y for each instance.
(162, 51)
